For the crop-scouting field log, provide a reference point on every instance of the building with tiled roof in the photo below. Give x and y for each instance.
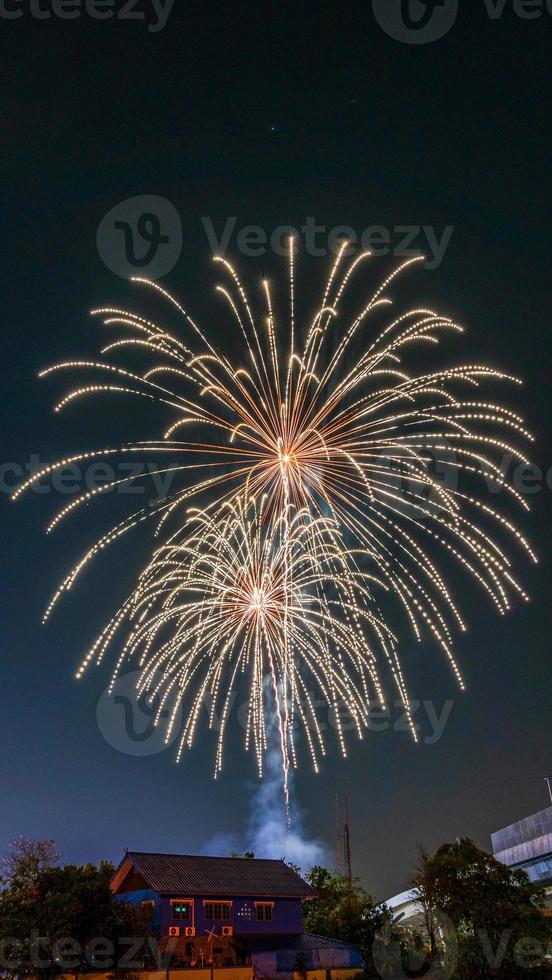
(224, 911)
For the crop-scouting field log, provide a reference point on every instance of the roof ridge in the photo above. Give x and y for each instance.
(211, 857)
(204, 874)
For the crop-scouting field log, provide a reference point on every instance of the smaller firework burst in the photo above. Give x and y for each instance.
(233, 594)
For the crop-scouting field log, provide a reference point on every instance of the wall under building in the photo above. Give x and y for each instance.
(224, 973)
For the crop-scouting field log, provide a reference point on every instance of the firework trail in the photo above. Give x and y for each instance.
(340, 445)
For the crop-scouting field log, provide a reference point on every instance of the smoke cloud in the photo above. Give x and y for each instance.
(268, 834)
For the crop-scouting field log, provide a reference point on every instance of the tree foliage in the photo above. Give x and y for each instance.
(490, 914)
(25, 860)
(342, 911)
(66, 919)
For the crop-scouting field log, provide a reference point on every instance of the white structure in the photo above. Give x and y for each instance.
(407, 905)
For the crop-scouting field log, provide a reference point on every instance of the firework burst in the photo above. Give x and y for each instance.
(231, 594)
(323, 423)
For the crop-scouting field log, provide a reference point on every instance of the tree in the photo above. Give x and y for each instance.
(68, 921)
(342, 911)
(399, 950)
(25, 860)
(492, 913)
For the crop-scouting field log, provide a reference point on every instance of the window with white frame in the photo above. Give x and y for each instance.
(181, 910)
(218, 911)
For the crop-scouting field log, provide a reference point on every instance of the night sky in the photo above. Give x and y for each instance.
(270, 113)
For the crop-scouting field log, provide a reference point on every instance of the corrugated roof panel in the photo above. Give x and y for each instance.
(192, 874)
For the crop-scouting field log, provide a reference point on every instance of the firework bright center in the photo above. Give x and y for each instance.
(287, 456)
(258, 601)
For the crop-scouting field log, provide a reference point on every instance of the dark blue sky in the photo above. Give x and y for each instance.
(270, 115)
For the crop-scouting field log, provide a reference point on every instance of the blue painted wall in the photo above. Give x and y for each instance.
(286, 914)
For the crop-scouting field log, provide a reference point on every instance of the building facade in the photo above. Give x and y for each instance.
(228, 911)
(527, 845)
(407, 906)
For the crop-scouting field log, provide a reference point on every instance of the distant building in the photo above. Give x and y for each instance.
(407, 906)
(527, 845)
(229, 911)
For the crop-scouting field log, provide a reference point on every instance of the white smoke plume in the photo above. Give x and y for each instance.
(268, 834)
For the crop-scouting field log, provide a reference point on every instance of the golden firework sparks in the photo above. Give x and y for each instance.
(326, 423)
(230, 594)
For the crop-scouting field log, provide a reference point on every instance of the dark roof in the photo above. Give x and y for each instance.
(192, 874)
(305, 941)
